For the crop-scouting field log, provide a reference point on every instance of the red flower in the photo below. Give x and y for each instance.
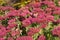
(50, 18)
(1, 18)
(56, 31)
(42, 37)
(43, 25)
(12, 13)
(57, 12)
(15, 32)
(32, 31)
(41, 19)
(10, 38)
(12, 23)
(58, 20)
(3, 31)
(33, 4)
(4, 8)
(24, 38)
(2, 39)
(11, 26)
(26, 22)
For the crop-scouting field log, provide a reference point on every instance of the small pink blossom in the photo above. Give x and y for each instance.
(42, 37)
(13, 13)
(10, 38)
(24, 38)
(58, 20)
(15, 33)
(32, 31)
(12, 21)
(43, 25)
(56, 31)
(2, 39)
(3, 31)
(1, 18)
(11, 26)
(50, 18)
(26, 22)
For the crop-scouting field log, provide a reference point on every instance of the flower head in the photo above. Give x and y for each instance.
(42, 37)
(56, 31)
(24, 38)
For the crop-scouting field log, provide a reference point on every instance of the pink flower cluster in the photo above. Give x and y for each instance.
(24, 38)
(33, 17)
(32, 31)
(56, 31)
(42, 37)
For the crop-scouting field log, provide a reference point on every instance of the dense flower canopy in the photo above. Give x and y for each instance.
(37, 20)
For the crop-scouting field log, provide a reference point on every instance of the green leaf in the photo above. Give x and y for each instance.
(35, 36)
(5, 22)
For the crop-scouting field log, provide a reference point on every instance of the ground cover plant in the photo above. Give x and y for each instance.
(37, 20)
